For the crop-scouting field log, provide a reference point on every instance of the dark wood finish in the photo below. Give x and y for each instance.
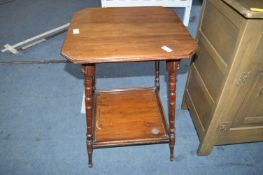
(94, 80)
(224, 86)
(128, 117)
(172, 67)
(127, 34)
(157, 75)
(89, 72)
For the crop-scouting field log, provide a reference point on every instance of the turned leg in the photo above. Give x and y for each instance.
(89, 72)
(94, 80)
(157, 75)
(172, 67)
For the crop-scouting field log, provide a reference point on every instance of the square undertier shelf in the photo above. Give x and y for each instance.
(129, 117)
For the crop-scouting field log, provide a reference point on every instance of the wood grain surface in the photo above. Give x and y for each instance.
(129, 116)
(127, 34)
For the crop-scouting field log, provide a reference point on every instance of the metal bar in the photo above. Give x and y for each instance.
(34, 43)
(37, 62)
(40, 36)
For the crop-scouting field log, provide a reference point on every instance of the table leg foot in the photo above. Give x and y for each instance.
(90, 151)
(172, 142)
(172, 158)
(90, 164)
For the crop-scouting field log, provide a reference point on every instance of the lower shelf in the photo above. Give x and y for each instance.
(129, 117)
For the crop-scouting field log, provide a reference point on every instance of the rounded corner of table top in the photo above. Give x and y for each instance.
(67, 57)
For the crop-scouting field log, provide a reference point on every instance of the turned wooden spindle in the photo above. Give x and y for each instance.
(89, 73)
(157, 75)
(172, 67)
(94, 80)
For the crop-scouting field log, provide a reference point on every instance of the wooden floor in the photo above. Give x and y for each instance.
(126, 116)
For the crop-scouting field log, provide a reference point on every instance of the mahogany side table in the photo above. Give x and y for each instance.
(123, 117)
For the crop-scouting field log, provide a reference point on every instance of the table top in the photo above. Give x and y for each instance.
(98, 35)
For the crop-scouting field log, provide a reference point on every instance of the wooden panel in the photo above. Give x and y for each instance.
(251, 111)
(209, 71)
(258, 57)
(194, 114)
(240, 135)
(229, 13)
(127, 34)
(200, 98)
(126, 117)
(214, 54)
(220, 31)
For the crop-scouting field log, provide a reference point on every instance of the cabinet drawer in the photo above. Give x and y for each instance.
(209, 71)
(219, 30)
(200, 98)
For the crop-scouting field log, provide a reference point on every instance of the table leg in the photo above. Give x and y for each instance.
(172, 67)
(89, 72)
(157, 75)
(94, 80)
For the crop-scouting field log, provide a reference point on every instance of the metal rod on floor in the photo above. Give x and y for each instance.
(37, 62)
(34, 40)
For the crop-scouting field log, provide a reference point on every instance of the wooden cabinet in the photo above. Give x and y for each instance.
(224, 90)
